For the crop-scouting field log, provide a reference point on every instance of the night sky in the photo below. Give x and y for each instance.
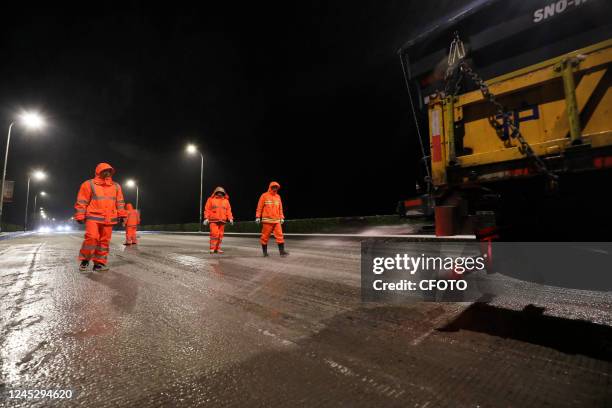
(309, 94)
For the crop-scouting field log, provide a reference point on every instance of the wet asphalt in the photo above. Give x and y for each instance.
(172, 325)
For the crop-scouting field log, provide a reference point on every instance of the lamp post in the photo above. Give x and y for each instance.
(30, 120)
(42, 194)
(192, 149)
(131, 184)
(38, 175)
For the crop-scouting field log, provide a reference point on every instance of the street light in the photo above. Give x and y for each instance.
(192, 149)
(131, 184)
(30, 120)
(37, 175)
(42, 194)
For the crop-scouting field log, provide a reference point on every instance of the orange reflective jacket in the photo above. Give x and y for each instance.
(100, 200)
(133, 216)
(218, 209)
(270, 206)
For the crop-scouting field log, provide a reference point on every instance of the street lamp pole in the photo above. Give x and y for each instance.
(30, 120)
(25, 221)
(39, 175)
(8, 141)
(42, 193)
(131, 183)
(192, 149)
(200, 210)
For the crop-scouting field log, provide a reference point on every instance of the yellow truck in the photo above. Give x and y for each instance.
(512, 103)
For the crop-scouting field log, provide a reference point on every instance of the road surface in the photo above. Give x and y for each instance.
(171, 325)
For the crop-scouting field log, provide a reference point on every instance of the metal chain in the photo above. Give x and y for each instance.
(515, 133)
(462, 68)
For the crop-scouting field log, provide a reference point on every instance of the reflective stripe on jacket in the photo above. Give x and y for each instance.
(218, 209)
(100, 200)
(270, 206)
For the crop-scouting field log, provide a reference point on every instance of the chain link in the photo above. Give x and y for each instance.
(463, 69)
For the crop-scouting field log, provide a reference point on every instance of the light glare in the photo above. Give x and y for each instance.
(32, 120)
(39, 175)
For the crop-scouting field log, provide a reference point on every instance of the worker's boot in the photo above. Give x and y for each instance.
(219, 251)
(83, 266)
(281, 250)
(98, 267)
(264, 248)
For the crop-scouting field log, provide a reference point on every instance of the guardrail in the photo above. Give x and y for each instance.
(309, 225)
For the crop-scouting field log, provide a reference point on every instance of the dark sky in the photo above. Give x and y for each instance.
(309, 94)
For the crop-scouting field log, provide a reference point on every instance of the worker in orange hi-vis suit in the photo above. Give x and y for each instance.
(99, 206)
(131, 223)
(217, 212)
(270, 214)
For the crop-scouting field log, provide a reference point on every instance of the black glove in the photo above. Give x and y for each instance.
(81, 221)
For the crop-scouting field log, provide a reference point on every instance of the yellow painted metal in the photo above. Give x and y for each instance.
(437, 142)
(566, 67)
(600, 118)
(584, 90)
(536, 75)
(537, 98)
(449, 129)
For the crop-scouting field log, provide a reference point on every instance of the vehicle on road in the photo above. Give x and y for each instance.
(513, 107)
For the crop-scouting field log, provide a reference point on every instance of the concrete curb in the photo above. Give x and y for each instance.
(419, 237)
(13, 235)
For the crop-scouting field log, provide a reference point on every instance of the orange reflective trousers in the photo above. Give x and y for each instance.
(130, 235)
(216, 235)
(269, 228)
(97, 240)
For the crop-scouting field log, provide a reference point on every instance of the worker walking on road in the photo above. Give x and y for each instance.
(270, 214)
(217, 212)
(131, 223)
(99, 206)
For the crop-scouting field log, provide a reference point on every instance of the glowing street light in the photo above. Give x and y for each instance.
(36, 175)
(30, 120)
(42, 194)
(193, 149)
(131, 184)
